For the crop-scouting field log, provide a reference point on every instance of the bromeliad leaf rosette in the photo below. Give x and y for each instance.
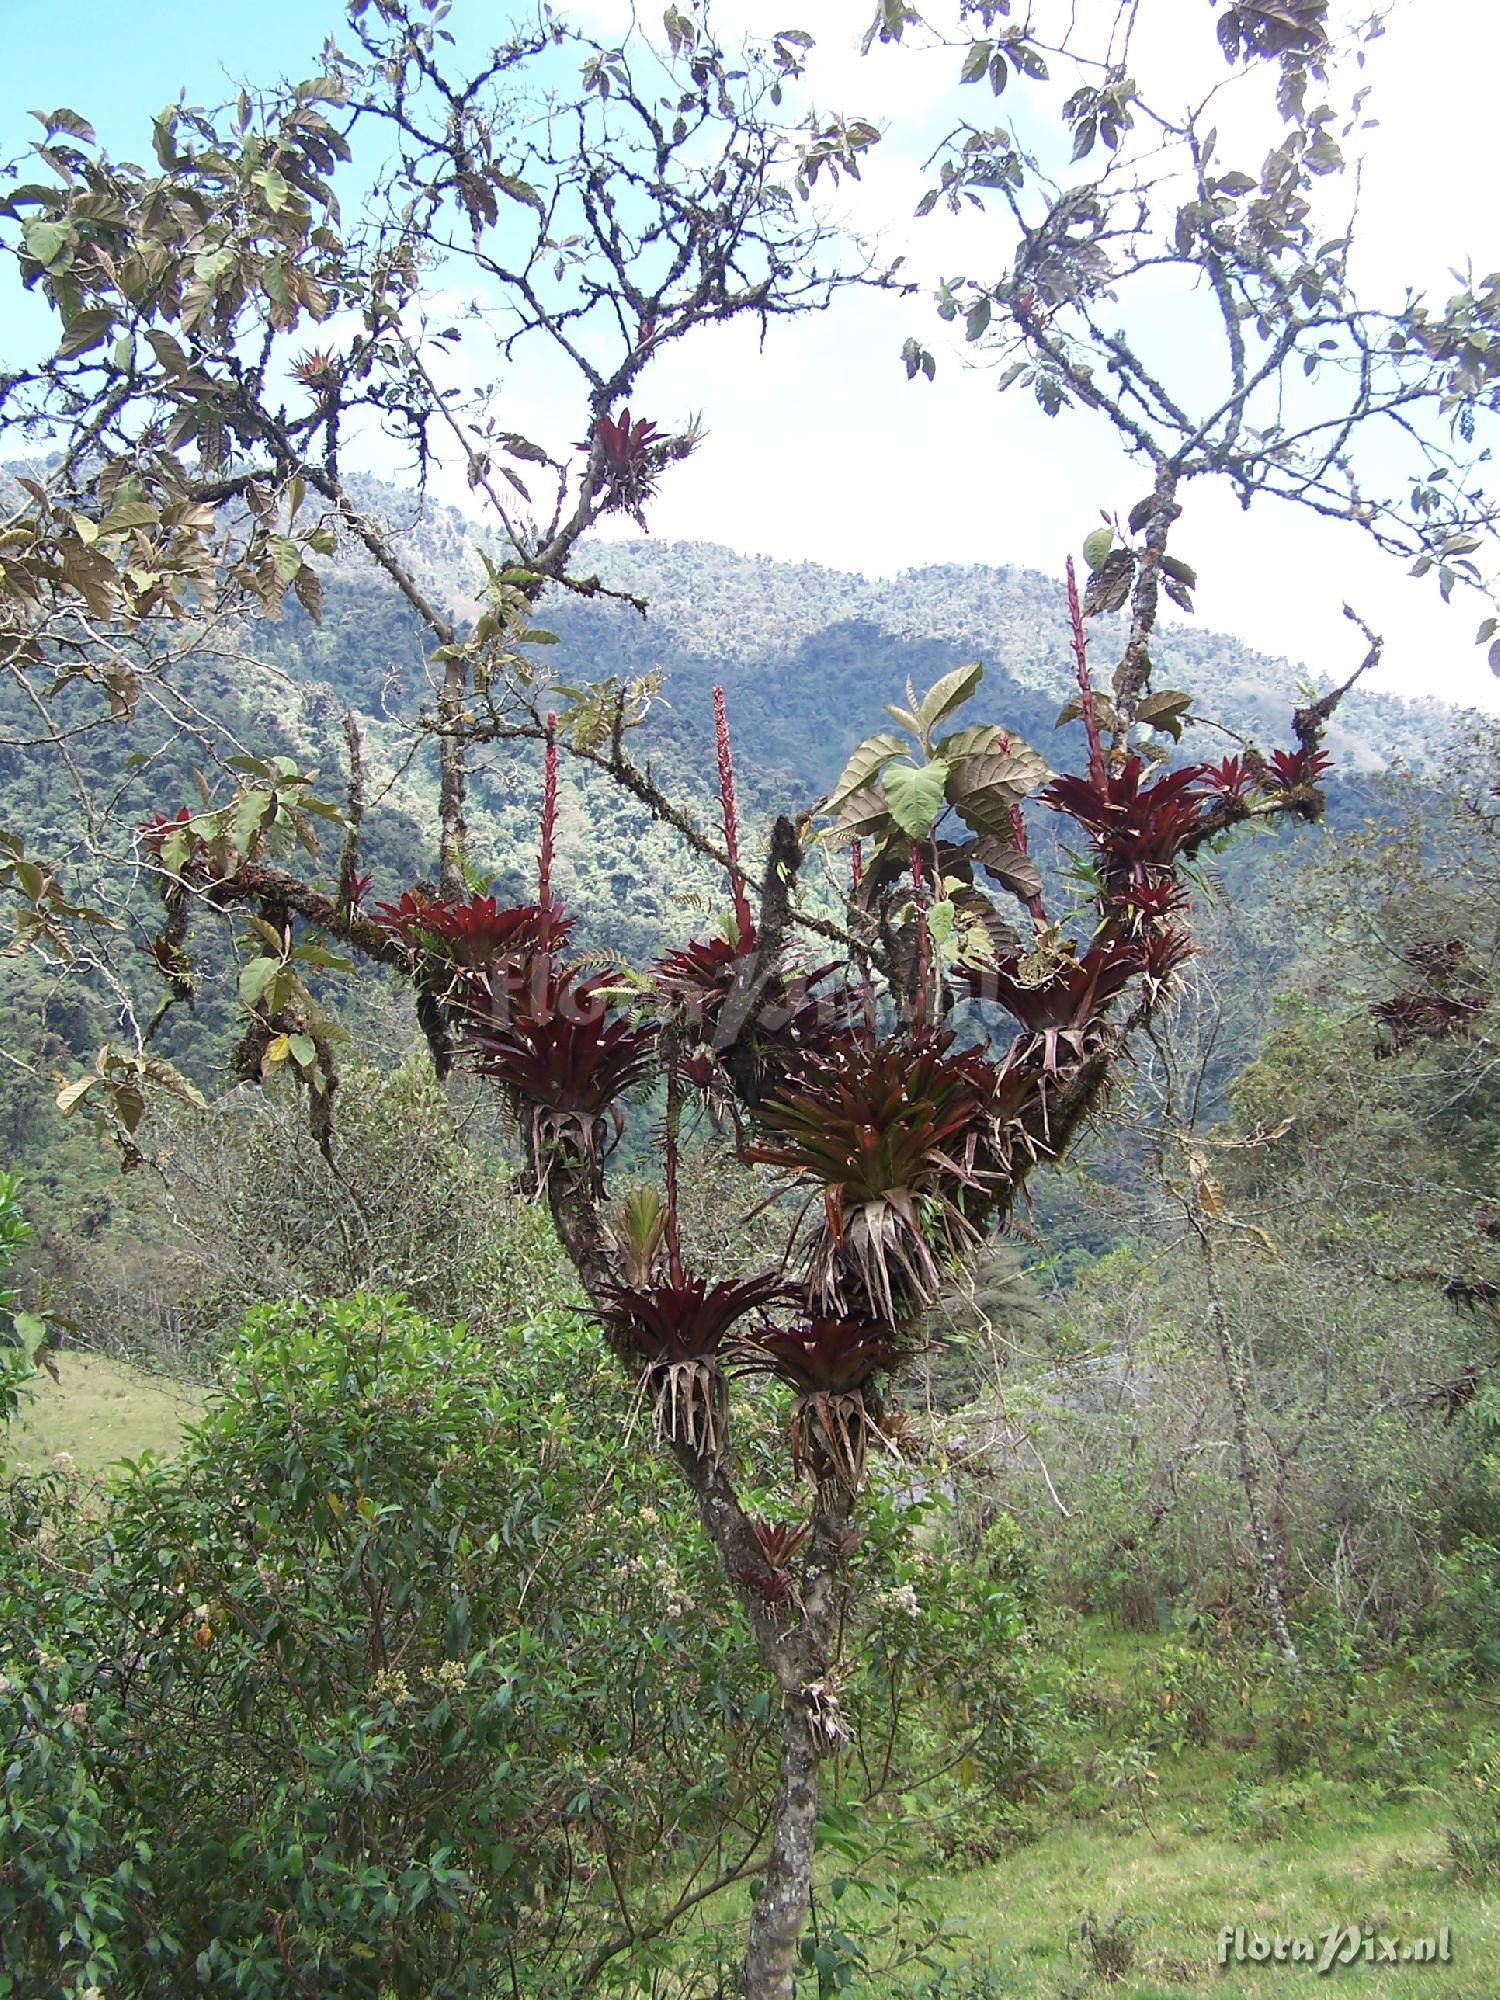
(831, 1362)
(896, 1136)
(458, 950)
(677, 1329)
(563, 1054)
(1136, 828)
(787, 1021)
(1060, 1008)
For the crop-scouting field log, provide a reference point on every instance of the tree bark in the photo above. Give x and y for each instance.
(786, 1888)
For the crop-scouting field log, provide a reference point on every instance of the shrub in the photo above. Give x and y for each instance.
(1474, 1836)
(341, 1700)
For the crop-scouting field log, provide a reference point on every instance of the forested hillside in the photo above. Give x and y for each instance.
(807, 657)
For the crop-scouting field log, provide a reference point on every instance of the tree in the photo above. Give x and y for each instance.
(204, 468)
(1201, 296)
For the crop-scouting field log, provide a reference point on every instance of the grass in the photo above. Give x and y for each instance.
(99, 1411)
(1179, 1843)
(1177, 1887)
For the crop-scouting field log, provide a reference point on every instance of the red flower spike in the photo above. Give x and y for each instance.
(742, 916)
(1085, 685)
(549, 814)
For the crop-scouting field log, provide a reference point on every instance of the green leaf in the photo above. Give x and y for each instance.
(128, 514)
(978, 739)
(522, 191)
(976, 62)
(949, 693)
(1165, 711)
(73, 1094)
(172, 357)
(247, 819)
(1097, 546)
(286, 557)
(31, 1331)
(256, 977)
(864, 813)
(976, 319)
(985, 788)
(905, 717)
(170, 1077)
(46, 241)
(916, 795)
(1009, 866)
(864, 764)
(304, 1050)
(940, 923)
(64, 120)
(84, 330)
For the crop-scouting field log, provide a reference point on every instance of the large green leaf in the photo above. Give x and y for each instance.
(916, 795)
(1096, 547)
(256, 977)
(1166, 712)
(1005, 861)
(951, 692)
(985, 788)
(978, 739)
(864, 813)
(84, 330)
(863, 766)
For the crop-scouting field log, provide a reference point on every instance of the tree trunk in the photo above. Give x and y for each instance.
(786, 1888)
(1263, 1546)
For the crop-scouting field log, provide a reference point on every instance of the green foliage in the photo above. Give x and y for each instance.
(402, 1644)
(22, 1334)
(378, 1709)
(1474, 1835)
(246, 1209)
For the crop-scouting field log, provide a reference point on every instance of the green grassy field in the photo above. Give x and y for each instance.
(1177, 1886)
(98, 1411)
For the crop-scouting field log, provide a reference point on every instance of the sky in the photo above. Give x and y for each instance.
(817, 447)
